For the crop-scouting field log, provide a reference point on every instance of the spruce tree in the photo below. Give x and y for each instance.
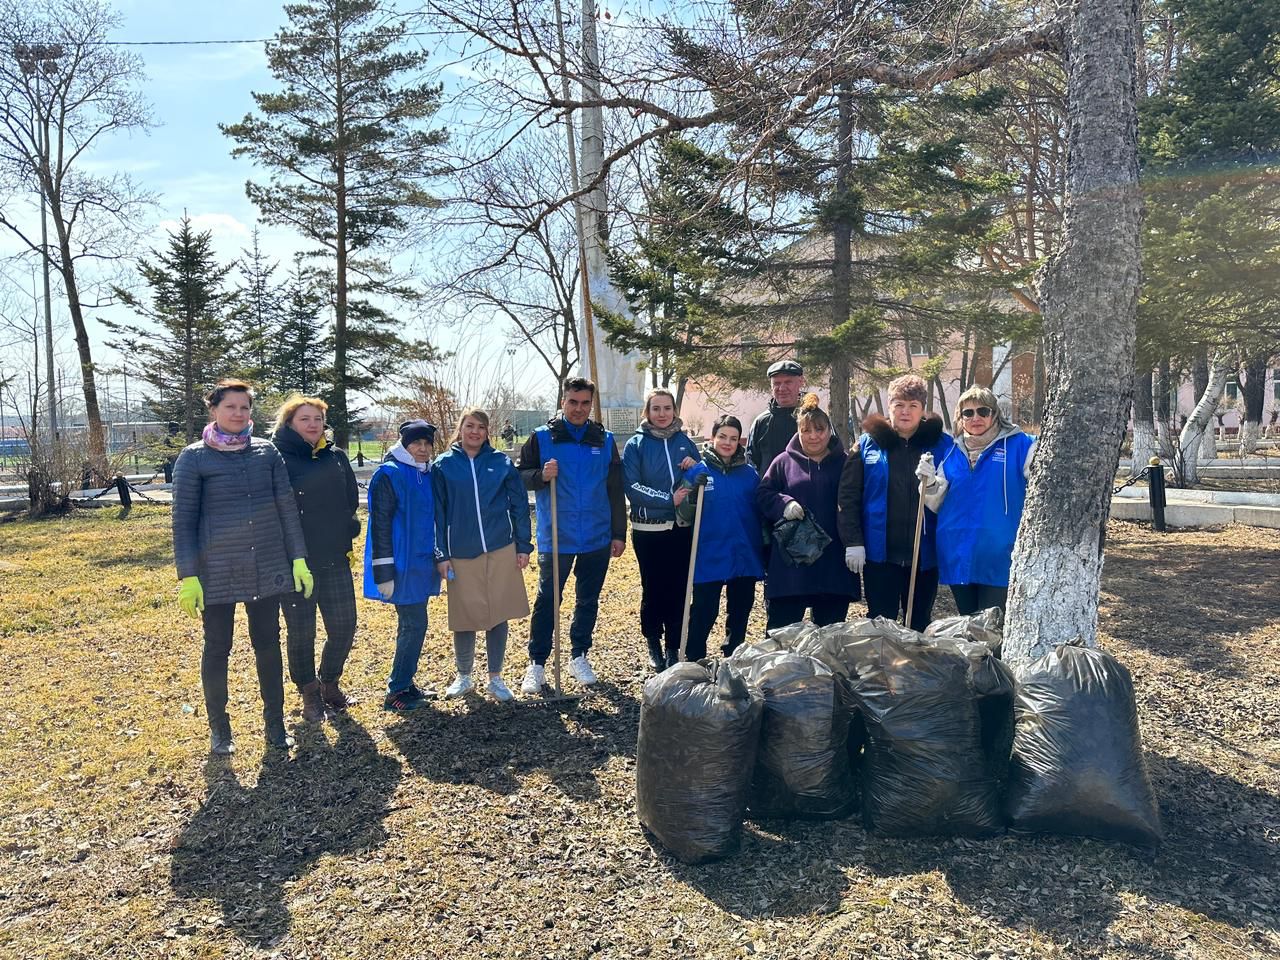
(299, 361)
(256, 313)
(350, 156)
(185, 349)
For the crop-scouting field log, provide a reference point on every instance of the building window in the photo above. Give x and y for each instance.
(1233, 389)
(917, 348)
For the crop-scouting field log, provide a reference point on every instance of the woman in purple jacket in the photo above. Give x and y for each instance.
(805, 478)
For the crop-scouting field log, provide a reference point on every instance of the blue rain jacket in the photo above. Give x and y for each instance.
(412, 533)
(729, 543)
(651, 469)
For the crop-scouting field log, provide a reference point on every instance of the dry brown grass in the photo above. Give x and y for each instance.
(474, 830)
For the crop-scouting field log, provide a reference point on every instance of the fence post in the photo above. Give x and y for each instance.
(122, 488)
(1155, 491)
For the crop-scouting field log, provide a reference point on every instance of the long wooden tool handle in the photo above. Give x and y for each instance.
(915, 559)
(693, 559)
(555, 586)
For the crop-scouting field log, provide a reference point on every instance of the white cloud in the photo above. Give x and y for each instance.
(223, 226)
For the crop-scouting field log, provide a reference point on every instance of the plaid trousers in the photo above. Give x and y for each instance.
(335, 596)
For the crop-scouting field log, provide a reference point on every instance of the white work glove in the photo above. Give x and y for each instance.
(387, 589)
(925, 470)
(855, 558)
(793, 511)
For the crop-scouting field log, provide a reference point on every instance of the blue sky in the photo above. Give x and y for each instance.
(187, 162)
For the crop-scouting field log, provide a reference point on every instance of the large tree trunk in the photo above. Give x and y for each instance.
(1089, 296)
(1255, 398)
(1144, 420)
(1193, 432)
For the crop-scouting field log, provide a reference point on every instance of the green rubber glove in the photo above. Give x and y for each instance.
(191, 596)
(303, 581)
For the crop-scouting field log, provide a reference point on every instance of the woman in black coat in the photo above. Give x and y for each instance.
(324, 487)
(236, 539)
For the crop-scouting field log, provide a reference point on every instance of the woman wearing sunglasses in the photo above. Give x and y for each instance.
(982, 483)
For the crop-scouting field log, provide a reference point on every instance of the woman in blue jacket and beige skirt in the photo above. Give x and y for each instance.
(981, 486)
(730, 549)
(652, 463)
(483, 543)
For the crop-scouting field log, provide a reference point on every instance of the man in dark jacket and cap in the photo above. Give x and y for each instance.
(773, 429)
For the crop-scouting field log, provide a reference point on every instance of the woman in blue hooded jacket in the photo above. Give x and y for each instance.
(982, 483)
(730, 549)
(399, 554)
(483, 542)
(652, 463)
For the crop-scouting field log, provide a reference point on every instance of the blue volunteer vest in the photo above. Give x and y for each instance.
(413, 536)
(875, 502)
(582, 499)
(978, 521)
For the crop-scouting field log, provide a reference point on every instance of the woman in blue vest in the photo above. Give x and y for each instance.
(730, 552)
(804, 478)
(652, 462)
(482, 545)
(982, 483)
(879, 502)
(399, 554)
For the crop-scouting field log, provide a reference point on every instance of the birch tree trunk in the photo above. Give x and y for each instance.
(1089, 297)
(1194, 431)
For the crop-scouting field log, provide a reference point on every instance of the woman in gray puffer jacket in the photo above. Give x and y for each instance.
(237, 539)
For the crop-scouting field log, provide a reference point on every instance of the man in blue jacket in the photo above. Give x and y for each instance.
(580, 455)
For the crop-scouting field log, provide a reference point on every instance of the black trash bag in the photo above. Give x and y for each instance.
(801, 541)
(790, 635)
(933, 756)
(985, 626)
(802, 767)
(1077, 766)
(696, 749)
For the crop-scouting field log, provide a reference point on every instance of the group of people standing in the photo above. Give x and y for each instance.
(271, 524)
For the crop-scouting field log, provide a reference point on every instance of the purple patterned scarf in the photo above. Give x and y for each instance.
(219, 440)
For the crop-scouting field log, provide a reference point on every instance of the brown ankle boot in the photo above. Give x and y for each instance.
(312, 708)
(333, 696)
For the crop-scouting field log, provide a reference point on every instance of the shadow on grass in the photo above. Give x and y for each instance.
(492, 745)
(1208, 590)
(245, 844)
(1218, 860)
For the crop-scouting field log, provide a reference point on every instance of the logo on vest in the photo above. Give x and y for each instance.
(596, 451)
(998, 455)
(873, 456)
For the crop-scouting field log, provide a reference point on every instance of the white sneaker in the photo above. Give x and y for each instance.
(535, 678)
(582, 671)
(498, 690)
(460, 686)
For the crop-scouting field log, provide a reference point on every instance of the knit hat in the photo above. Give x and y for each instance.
(412, 430)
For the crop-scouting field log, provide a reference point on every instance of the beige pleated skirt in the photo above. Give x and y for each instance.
(486, 591)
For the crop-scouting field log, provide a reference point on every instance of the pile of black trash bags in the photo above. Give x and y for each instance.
(927, 734)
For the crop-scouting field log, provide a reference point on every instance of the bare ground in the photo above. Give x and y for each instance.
(478, 830)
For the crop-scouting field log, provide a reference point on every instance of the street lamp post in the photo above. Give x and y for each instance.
(37, 60)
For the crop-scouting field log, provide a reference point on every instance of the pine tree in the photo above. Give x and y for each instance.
(350, 157)
(257, 312)
(301, 346)
(185, 351)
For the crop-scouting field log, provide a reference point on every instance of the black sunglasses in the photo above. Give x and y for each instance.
(971, 413)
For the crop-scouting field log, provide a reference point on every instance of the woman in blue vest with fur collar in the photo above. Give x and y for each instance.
(879, 500)
(399, 554)
(982, 483)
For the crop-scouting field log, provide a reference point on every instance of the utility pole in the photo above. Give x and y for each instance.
(38, 60)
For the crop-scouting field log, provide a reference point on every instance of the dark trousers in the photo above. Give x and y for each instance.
(335, 597)
(973, 597)
(740, 596)
(264, 635)
(588, 573)
(887, 584)
(827, 608)
(663, 557)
